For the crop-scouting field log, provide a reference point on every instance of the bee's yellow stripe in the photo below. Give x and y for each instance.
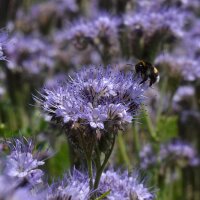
(155, 70)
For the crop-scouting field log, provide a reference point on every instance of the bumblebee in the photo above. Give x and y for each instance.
(147, 71)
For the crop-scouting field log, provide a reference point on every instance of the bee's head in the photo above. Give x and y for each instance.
(139, 66)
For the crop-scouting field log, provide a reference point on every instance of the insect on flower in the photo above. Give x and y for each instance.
(147, 71)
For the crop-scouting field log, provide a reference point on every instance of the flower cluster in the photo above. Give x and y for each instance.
(173, 153)
(29, 54)
(14, 189)
(184, 98)
(22, 162)
(121, 186)
(20, 176)
(45, 14)
(187, 5)
(94, 103)
(96, 98)
(75, 185)
(124, 186)
(151, 22)
(179, 66)
(101, 31)
(147, 157)
(179, 152)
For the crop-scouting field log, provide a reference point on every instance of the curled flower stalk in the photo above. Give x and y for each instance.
(92, 106)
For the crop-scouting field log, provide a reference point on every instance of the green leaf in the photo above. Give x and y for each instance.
(167, 127)
(103, 195)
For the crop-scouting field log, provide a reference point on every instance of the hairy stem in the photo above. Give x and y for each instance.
(89, 165)
(100, 170)
(123, 151)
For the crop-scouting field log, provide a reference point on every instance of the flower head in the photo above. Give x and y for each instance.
(184, 98)
(124, 186)
(106, 27)
(94, 102)
(179, 152)
(96, 98)
(80, 33)
(22, 162)
(151, 22)
(147, 157)
(74, 186)
(29, 54)
(14, 189)
(177, 65)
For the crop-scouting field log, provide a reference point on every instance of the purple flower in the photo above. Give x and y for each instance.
(184, 98)
(94, 103)
(96, 98)
(12, 189)
(147, 157)
(179, 152)
(183, 66)
(185, 4)
(30, 54)
(106, 27)
(3, 40)
(120, 185)
(75, 185)
(64, 6)
(124, 186)
(151, 21)
(80, 33)
(23, 161)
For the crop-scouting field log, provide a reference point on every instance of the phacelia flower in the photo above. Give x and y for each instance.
(151, 22)
(64, 6)
(30, 54)
(184, 4)
(124, 186)
(23, 162)
(102, 30)
(179, 152)
(106, 27)
(147, 157)
(179, 66)
(95, 94)
(14, 189)
(184, 98)
(80, 34)
(94, 102)
(74, 186)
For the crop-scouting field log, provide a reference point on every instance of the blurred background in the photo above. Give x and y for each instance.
(43, 41)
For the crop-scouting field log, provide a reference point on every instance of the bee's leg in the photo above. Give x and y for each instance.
(144, 79)
(152, 81)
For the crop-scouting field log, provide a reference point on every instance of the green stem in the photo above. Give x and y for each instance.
(99, 171)
(162, 94)
(150, 127)
(123, 152)
(89, 165)
(136, 141)
(88, 156)
(98, 158)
